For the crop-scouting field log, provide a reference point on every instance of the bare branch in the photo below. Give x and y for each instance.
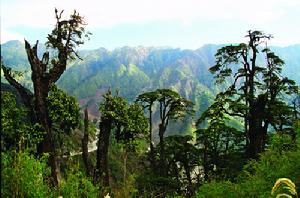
(25, 93)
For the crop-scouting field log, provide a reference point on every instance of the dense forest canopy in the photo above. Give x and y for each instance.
(168, 122)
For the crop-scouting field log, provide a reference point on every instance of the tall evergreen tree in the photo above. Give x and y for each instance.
(257, 87)
(147, 100)
(171, 106)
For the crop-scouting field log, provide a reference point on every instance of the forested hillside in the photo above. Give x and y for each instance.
(133, 70)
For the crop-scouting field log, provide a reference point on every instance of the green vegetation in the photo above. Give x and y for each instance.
(23, 176)
(258, 177)
(146, 142)
(17, 132)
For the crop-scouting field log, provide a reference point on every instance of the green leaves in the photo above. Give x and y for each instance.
(171, 104)
(23, 176)
(127, 119)
(64, 113)
(64, 110)
(257, 91)
(67, 34)
(16, 130)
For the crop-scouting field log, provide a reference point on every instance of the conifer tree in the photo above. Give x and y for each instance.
(257, 88)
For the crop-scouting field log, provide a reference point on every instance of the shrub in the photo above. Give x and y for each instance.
(258, 177)
(78, 185)
(23, 176)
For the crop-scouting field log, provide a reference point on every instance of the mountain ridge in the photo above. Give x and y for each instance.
(133, 70)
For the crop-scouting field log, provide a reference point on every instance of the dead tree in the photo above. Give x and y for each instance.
(63, 40)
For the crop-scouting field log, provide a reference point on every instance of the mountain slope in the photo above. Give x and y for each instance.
(133, 70)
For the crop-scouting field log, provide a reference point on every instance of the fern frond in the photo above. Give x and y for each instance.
(290, 186)
(281, 195)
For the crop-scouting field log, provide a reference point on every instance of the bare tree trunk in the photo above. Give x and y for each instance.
(257, 132)
(85, 141)
(150, 137)
(162, 150)
(102, 153)
(41, 91)
(41, 84)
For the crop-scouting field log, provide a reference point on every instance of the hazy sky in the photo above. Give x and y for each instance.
(174, 23)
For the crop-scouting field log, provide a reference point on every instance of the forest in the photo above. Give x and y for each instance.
(233, 133)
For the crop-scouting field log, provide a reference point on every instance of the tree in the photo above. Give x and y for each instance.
(126, 121)
(22, 175)
(255, 89)
(220, 143)
(64, 38)
(133, 130)
(112, 110)
(16, 131)
(64, 113)
(171, 107)
(258, 176)
(26, 95)
(182, 175)
(183, 157)
(84, 143)
(147, 100)
(159, 179)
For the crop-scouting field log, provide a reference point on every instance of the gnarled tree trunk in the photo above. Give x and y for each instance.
(65, 37)
(257, 130)
(102, 171)
(41, 83)
(85, 141)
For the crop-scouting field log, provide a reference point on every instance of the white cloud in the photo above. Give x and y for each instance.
(7, 36)
(279, 17)
(107, 13)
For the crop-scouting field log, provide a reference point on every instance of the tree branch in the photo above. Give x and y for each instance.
(26, 94)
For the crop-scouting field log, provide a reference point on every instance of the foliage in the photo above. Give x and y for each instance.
(128, 119)
(280, 142)
(172, 105)
(64, 112)
(124, 164)
(23, 176)
(258, 181)
(46, 70)
(126, 123)
(258, 177)
(183, 160)
(255, 94)
(153, 185)
(220, 143)
(218, 190)
(78, 185)
(16, 130)
(167, 162)
(289, 186)
(182, 176)
(67, 35)
(216, 155)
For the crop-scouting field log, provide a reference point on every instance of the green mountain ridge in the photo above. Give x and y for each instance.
(133, 70)
(156, 68)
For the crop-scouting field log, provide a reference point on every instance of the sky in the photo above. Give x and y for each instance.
(186, 24)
